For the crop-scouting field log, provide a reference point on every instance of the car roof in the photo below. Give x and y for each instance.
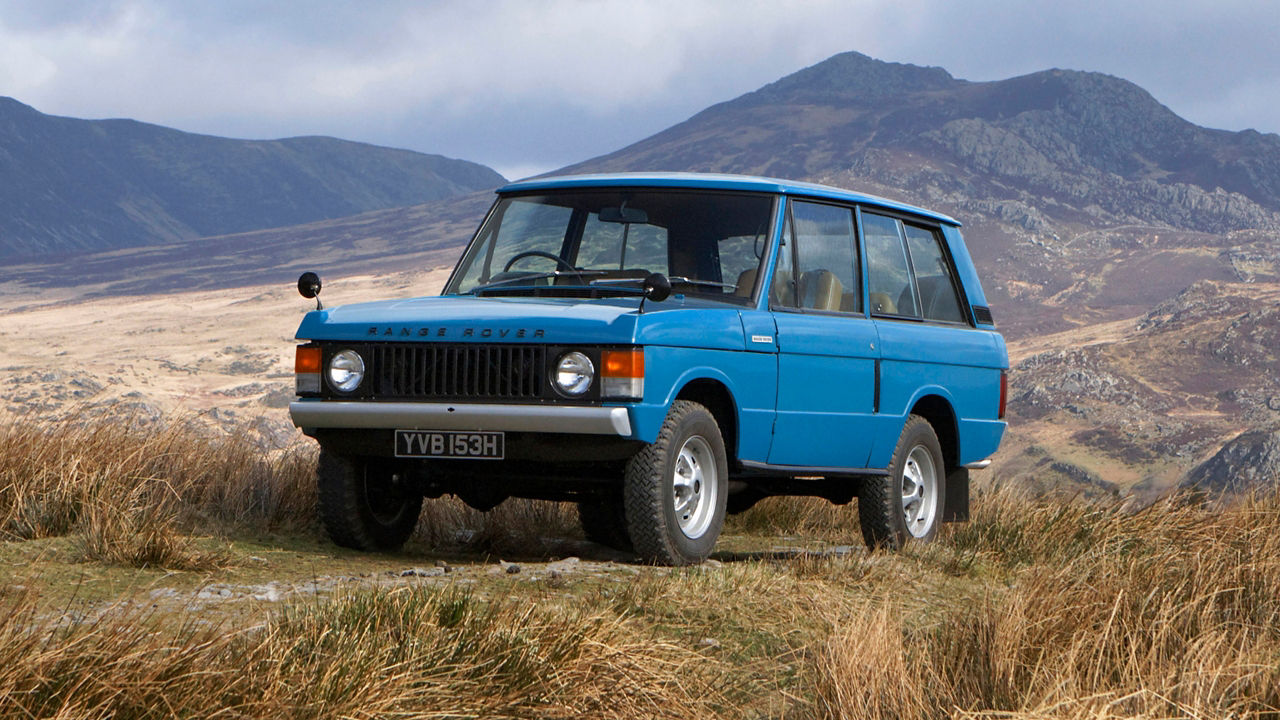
(712, 181)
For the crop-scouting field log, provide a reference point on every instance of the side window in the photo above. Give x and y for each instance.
(826, 262)
(934, 280)
(891, 290)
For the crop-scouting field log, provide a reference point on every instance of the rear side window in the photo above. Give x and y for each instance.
(908, 271)
(889, 274)
(935, 282)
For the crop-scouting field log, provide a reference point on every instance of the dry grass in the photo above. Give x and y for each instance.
(412, 652)
(128, 492)
(1173, 611)
(1033, 609)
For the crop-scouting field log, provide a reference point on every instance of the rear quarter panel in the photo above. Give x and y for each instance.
(957, 363)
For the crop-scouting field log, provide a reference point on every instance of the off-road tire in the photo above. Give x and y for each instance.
(605, 522)
(880, 504)
(649, 494)
(362, 506)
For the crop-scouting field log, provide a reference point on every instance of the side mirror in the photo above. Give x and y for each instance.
(309, 287)
(657, 287)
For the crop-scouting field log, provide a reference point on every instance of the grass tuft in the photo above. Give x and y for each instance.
(129, 493)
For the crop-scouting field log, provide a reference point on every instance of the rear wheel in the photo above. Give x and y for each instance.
(365, 503)
(676, 488)
(905, 505)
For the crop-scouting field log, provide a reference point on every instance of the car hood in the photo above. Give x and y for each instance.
(676, 321)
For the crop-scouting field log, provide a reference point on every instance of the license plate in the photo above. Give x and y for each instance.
(450, 444)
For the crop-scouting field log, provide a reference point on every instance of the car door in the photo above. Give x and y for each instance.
(827, 346)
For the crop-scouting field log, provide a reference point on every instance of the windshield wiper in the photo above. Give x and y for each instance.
(534, 277)
(696, 281)
(673, 278)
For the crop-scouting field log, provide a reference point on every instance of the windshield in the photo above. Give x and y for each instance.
(709, 244)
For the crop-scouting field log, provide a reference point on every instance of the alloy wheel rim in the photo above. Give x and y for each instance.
(695, 487)
(919, 491)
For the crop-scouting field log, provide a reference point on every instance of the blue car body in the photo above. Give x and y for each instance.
(800, 393)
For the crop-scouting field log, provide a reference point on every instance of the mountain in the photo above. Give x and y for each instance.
(70, 185)
(379, 241)
(1086, 147)
(1248, 463)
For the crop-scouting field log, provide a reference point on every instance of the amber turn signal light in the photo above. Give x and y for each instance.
(307, 360)
(622, 374)
(623, 363)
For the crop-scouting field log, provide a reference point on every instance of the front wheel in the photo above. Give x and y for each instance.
(676, 489)
(366, 504)
(905, 505)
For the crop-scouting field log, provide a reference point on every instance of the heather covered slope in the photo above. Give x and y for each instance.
(70, 185)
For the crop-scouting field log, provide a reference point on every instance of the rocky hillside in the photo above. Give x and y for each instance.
(1139, 402)
(1080, 148)
(1249, 462)
(69, 185)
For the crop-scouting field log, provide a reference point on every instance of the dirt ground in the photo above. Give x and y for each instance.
(226, 354)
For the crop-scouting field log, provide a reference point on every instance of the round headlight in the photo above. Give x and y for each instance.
(574, 373)
(346, 370)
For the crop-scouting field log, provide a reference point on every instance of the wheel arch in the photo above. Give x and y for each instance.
(941, 415)
(716, 397)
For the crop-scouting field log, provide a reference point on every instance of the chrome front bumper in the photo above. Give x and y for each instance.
(310, 414)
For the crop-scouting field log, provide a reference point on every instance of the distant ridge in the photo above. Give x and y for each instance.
(1078, 147)
(70, 185)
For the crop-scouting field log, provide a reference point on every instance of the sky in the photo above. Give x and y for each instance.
(527, 86)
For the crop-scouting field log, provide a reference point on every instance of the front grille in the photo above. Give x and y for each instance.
(429, 370)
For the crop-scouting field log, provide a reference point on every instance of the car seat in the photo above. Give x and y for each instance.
(821, 290)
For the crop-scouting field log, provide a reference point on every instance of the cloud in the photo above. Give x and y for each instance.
(536, 85)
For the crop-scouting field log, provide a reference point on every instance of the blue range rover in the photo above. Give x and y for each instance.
(664, 349)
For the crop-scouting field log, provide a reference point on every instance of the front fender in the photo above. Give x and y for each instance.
(749, 378)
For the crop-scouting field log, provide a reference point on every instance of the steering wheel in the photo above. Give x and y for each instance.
(537, 253)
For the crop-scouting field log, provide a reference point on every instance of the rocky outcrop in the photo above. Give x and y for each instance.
(1250, 461)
